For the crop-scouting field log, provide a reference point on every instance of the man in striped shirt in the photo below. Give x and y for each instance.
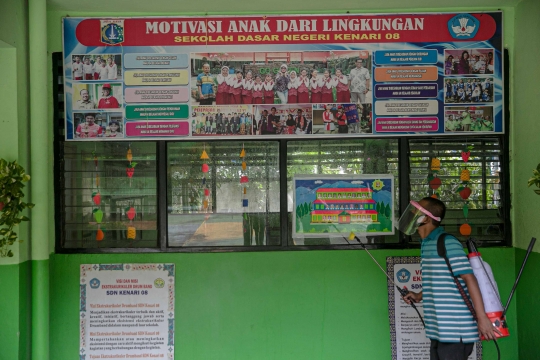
(449, 323)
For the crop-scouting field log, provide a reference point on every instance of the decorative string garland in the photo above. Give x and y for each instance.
(131, 232)
(465, 191)
(96, 199)
(243, 178)
(433, 178)
(206, 191)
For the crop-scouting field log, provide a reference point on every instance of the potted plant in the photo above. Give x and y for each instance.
(535, 180)
(12, 179)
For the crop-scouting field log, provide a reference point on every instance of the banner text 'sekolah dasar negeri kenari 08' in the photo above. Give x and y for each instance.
(325, 75)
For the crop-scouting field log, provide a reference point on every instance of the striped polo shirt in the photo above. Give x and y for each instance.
(447, 317)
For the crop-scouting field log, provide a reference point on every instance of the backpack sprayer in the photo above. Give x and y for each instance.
(488, 287)
(486, 282)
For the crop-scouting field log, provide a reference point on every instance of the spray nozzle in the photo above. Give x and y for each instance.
(471, 245)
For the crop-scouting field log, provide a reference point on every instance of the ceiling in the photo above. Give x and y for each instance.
(165, 7)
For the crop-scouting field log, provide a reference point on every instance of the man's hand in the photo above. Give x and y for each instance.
(413, 297)
(486, 328)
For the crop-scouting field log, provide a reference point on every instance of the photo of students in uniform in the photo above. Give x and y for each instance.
(340, 119)
(468, 119)
(468, 61)
(109, 95)
(468, 90)
(96, 67)
(281, 77)
(289, 119)
(222, 120)
(90, 125)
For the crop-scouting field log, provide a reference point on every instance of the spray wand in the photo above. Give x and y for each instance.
(402, 291)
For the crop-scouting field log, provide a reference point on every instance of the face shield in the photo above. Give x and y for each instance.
(412, 217)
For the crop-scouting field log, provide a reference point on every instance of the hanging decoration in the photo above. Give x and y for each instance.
(130, 170)
(465, 191)
(433, 179)
(205, 168)
(131, 232)
(96, 199)
(243, 177)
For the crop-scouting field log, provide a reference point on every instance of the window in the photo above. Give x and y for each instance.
(180, 206)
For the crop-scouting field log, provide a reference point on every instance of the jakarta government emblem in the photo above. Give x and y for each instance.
(112, 31)
(463, 26)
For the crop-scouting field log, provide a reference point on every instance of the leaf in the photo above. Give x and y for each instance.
(9, 253)
(537, 191)
(133, 164)
(24, 218)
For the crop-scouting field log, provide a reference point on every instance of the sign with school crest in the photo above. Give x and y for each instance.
(112, 32)
(423, 74)
(127, 311)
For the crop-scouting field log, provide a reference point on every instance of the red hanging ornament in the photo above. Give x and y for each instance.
(435, 183)
(465, 193)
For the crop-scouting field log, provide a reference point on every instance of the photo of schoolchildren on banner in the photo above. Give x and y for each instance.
(468, 61)
(468, 119)
(281, 77)
(342, 119)
(290, 119)
(468, 90)
(222, 120)
(96, 67)
(91, 125)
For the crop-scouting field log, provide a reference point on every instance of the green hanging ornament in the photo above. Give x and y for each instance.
(466, 211)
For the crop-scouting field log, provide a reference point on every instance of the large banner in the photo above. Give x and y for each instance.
(126, 311)
(259, 76)
(409, 341)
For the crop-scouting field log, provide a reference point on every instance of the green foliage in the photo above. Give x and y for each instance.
(535, 180)
(12, 179)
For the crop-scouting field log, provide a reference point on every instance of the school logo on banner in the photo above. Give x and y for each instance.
(112, 32)
(463, 26)
(94, 283)
(403, 275)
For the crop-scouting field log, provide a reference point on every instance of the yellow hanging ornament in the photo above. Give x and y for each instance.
(435, 164)
(242, 153)
(131, 232)
(465, 175)
(97, 180)
(244, 165)
(129, 155)
(204, 155)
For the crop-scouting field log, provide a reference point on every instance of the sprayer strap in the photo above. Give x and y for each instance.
(441, 250)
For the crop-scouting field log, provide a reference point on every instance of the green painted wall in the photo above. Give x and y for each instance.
(528, 301)
(9, 305)
(14, 311)
(14, 272)
(525, 157)
(271, 305)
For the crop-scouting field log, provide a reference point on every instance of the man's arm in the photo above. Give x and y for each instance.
(413, 297)
(485, 327)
